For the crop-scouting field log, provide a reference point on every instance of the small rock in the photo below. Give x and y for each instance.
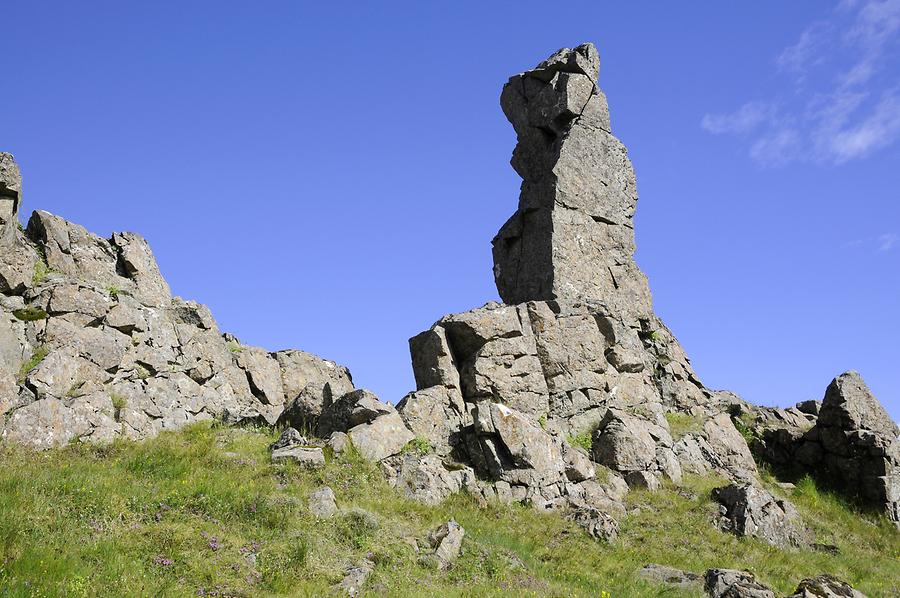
(356, 577)
(339, 442)
(312, 458)
(446, 542)
(670, 576)
(752, 511)
(642, 479)
(825, 586)
(289, 437)
(322, 503)
(730, 583)
(598, 524)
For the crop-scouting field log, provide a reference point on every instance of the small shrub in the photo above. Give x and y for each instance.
(113, 291)
(142, 372)
(356, 526)
(235, 347)
(41, 272)
(542, 420)
(30, 314)
(32, 362)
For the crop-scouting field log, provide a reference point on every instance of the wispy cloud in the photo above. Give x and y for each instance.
(880, 243)
(844, 98)
(742, 120)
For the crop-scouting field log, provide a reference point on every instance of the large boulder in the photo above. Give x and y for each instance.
(748, 510)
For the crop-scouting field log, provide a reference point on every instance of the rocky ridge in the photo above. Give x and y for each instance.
(93, 346)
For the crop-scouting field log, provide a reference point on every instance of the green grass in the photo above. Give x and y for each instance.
(113, 291)
(205, 509)
(682, 424)
(32, 362)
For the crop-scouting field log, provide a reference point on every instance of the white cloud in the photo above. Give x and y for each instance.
(845, 104)
(744, 119)
(887, 241)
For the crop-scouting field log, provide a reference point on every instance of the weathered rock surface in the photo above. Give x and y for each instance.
(748, 510)
(730, 583)
(848, 443)
(93, 346)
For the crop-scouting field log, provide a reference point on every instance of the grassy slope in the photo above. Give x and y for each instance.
(176, 515)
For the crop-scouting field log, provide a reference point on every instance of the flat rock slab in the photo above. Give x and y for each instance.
(309, 457)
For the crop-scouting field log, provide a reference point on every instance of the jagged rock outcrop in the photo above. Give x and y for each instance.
(848, 442)
(576, 351)
(93, 346)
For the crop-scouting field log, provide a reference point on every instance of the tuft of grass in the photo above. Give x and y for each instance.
(682, 424)
(204, 511)
(584, 440)
(32, 362)
(30, 314)
(234, 347)
(118, 403)
(113, 291)
(142, 372)
(744, 425)
(41, 272)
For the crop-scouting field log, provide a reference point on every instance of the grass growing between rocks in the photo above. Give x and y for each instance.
(204, 512)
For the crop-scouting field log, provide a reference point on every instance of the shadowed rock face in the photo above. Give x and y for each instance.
(572, 236)
(93, 345)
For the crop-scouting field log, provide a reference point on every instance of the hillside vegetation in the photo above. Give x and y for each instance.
(204, 512)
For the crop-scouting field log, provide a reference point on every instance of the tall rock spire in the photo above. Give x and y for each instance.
(572, 236)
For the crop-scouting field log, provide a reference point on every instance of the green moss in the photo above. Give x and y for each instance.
(32, 362)
(30, 314)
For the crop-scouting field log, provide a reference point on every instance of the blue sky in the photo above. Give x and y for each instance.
(329, 176)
